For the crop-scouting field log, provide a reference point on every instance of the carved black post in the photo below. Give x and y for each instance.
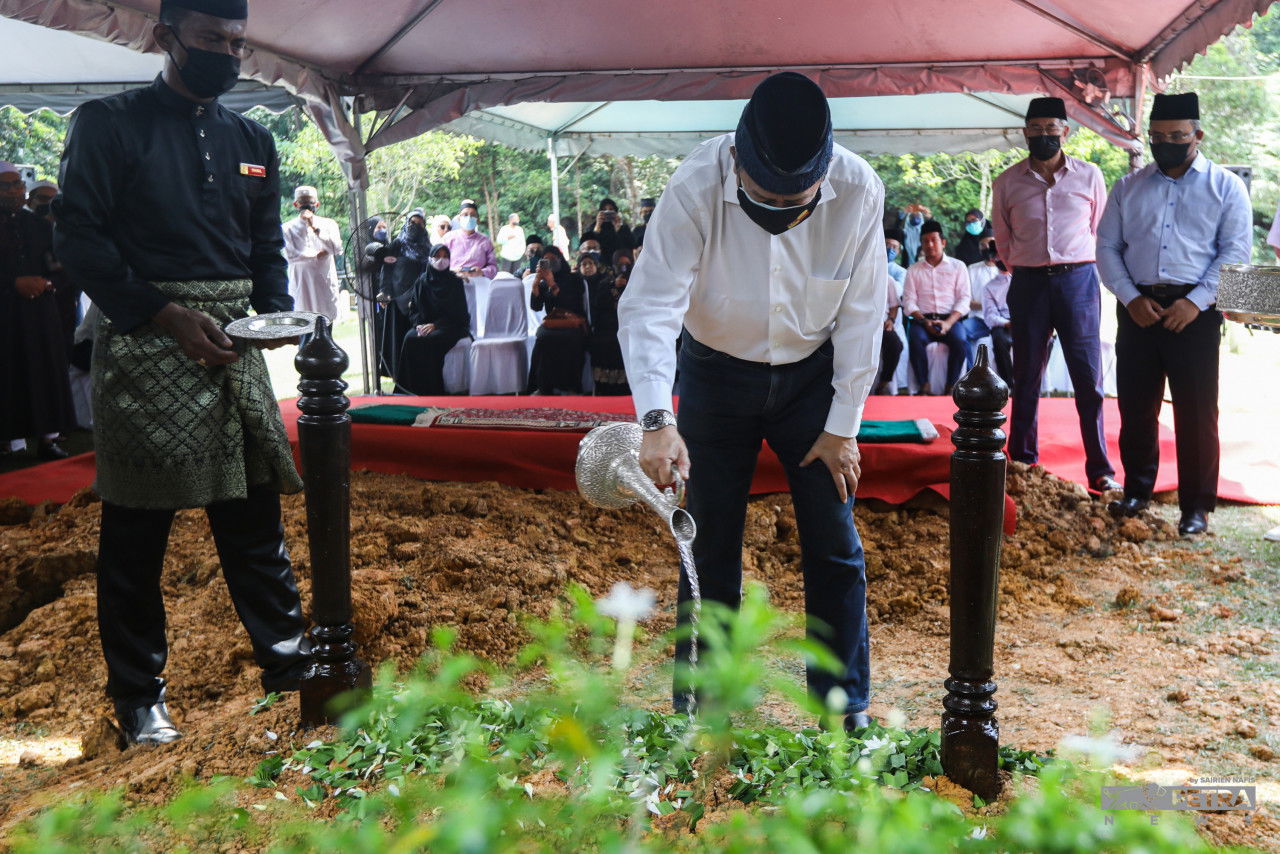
(324, 442)
(970, 733)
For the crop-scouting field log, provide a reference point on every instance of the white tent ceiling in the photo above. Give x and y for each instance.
(883, 124)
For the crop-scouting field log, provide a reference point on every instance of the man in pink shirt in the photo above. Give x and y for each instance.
(935, 296)
(471, 252)
(1046, 211)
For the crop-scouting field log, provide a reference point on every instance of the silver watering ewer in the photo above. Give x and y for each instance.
(1250, 294)
(609, 475)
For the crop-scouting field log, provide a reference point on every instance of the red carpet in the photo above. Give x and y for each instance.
(893, 473)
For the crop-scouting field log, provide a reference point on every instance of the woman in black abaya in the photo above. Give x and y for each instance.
(437, 310)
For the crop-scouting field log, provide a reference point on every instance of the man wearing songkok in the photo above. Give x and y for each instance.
(470, 252)
(40, 197)
(170, 220)
(311, 243)
(35, 392)
(647, 205)
(1045, 210)
(768, 250)
(1167, 230)
(935, 296)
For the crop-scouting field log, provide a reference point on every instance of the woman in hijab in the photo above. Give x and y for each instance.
(614, 234)
(607, 369)
(402, 261)
(559, 350)
(437, 309)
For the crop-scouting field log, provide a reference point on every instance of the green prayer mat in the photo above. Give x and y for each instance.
(386, 413)
(919, 430)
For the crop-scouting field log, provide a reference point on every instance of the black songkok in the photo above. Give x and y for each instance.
(1175, 107)
(895, 234)
(1046, 108)
(232, 10)
(931, 227)
(784, 139)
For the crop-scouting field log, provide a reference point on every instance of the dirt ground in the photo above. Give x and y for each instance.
(1160, 637)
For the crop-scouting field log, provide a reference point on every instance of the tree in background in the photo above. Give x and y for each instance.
(33, 140)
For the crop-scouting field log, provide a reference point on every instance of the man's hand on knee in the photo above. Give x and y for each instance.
(842, 458)
(663, 455)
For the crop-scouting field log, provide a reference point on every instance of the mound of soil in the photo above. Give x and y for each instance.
(471, 556)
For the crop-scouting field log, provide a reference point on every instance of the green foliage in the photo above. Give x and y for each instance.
(34, 140)
(570, 765)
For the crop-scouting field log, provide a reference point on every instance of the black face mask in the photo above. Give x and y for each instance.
(1044, 147)
(206, 73)
(1170, 155)
(42, 211)
(776, 221)
(647, 214)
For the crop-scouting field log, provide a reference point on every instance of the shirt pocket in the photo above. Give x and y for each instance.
(821, 302)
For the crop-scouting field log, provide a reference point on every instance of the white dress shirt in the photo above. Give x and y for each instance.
(980, 272)
(757, 296)
(995, 301)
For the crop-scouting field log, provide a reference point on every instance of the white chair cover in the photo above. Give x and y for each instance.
(456, 364)
(500, 359)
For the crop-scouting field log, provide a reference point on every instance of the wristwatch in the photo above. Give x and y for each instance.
(656, 419)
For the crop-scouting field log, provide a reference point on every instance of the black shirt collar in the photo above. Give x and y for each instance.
(171, 100)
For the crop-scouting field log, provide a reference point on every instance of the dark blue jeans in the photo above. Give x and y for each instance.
(974, 329)
(727, 407)
(918, 340)
(1070, 303)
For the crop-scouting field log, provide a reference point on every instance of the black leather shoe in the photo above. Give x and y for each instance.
(1127, 507)
(147, 725)
(1106, 483)
(288, 680)
(51, 450)
(1193, 523)
(855, 723)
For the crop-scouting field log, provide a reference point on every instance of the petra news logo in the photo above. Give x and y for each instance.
(1200, 795)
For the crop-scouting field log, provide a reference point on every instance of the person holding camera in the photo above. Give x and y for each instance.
(311, 243)
(612, 232)
(559, 350)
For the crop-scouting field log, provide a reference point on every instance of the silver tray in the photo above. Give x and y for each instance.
(274, 326)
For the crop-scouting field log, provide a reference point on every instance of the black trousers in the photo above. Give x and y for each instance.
(890, 353)
(1145, 358)
(1002, 345)
(131, 619)
(422, 360)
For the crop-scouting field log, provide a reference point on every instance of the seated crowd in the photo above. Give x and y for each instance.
(421, 277)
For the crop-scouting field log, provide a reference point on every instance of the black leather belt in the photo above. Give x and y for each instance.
(928, 316)
(1052, 269)
(1165, 290)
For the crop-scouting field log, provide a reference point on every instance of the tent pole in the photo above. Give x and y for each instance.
(359, 203)
(555, 178)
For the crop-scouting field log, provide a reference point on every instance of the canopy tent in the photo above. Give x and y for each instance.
(558, 70)
(423, 63)
(57, 70)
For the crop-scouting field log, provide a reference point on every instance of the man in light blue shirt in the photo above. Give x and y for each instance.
(1166, 231)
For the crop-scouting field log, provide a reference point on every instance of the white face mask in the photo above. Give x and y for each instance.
(441, 264)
